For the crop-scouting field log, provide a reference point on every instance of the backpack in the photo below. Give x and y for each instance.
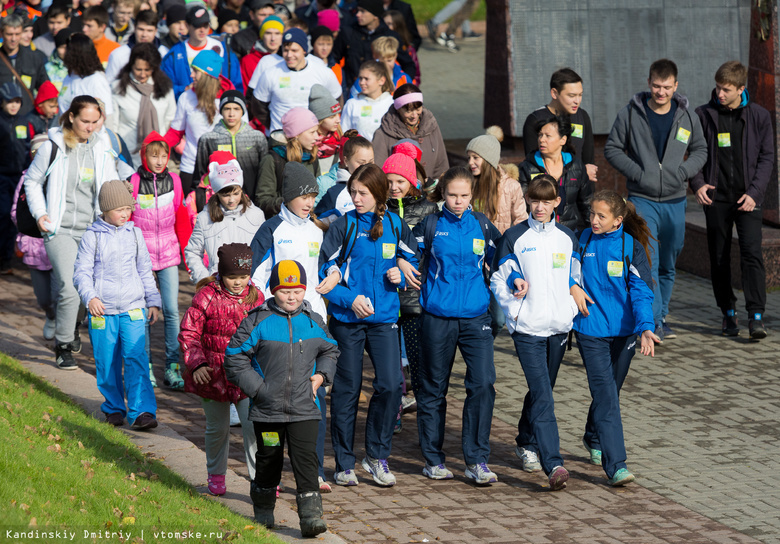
(628, 253)
(430, 233)
(25, 222)
(350, 237)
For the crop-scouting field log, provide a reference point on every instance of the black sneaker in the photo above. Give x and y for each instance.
(471, 35)
(730, 324)
(64, 357)
(756, 327)
(144, 422)
(116, 419)
(76, 344)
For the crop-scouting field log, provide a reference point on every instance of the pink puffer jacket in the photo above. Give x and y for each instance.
(34, 251)
(158, 196)
(206, 330)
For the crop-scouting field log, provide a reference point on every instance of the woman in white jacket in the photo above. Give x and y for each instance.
(85, 74)
(229, 217)
(143, 99)
(72, 166)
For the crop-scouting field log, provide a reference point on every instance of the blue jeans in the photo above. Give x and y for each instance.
(381, 342)
(666, 221)
(122, 338)
(475, 339)
(607, 361)
(169, 291)
(540, 357)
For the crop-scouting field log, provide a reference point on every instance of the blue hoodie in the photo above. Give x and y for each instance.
(454, 285)
(364, 272)
(623, 299)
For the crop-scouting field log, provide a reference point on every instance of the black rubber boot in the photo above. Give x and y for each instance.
(264, 501)
(310, 514)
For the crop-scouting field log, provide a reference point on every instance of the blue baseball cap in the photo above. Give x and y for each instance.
(208, 61)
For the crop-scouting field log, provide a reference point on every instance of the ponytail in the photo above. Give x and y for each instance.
(633, 223)
(377, 230)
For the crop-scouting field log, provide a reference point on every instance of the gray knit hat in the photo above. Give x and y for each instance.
(322, 103)
(297, 181)
(487, 147)
(115, 194)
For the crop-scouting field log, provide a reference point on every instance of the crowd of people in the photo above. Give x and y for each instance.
(287, 160)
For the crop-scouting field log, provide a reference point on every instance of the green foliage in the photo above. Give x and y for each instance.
(63, 469)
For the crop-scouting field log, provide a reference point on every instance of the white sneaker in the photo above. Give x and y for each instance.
(347, 477)
(234, 419)
(529, 459)
(324, 486)
(379, 470)
(481, 474)
(437, 472)
(48, 329)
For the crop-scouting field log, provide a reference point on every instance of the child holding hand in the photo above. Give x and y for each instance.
(279, 356)
(113, 276)
(218, 307)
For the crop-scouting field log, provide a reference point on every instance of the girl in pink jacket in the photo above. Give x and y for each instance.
(220, 304)
(158, 195)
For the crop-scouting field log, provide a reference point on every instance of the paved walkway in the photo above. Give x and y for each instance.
(700, 419)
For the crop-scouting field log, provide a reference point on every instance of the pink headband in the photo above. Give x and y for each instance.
(402, 101)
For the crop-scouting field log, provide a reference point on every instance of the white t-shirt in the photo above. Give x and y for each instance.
(211, 43)
(364, 114)
(194, 123)
(95, 85)
(265, 63)
(286, 89)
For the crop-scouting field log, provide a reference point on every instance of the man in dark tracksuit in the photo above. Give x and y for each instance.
(731, 187)
(647, 144)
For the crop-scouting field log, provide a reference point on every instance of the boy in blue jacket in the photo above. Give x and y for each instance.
(279, 356)
(113, 275)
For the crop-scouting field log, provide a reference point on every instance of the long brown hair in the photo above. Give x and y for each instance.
(379, 69)
(251, 297)
(633, 223)
(206, 89)
(486, 195)
(375, 181)
(215, 208)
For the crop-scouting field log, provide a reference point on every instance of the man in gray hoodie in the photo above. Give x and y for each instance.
(647, 144)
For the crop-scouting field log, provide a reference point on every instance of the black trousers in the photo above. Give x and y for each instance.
(721, 218)
(301, 438)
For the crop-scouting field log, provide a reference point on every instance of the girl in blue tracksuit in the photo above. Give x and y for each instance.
(531, 282)
(360, 250)
(615, 300)
(456, 244)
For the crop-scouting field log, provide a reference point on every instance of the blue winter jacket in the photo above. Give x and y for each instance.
(622, 293)
(454, 285)
(113, 265)
(175, 65)
(364, 271)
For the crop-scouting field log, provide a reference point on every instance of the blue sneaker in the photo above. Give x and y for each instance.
(621, 477)
(668, 332)
(594, 454)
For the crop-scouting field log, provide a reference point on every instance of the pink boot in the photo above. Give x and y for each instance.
(217, 484)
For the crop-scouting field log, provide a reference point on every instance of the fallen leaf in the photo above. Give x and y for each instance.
(24, 507)
(90, 474)
(33, 522)
(129, 520)
(46, 417)
(81, 446)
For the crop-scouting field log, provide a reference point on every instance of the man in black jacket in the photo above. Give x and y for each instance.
(245, 39)
(27, 63)
(354, 42)
(731, 187)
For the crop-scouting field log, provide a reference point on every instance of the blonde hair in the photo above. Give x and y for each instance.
(385, 46)
(295, 151)
(206, 90)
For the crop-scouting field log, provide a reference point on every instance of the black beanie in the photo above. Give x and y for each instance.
(375, 7)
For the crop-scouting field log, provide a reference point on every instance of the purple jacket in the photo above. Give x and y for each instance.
(113, 265)
(34, 251)
(758, 148)
(157, 199)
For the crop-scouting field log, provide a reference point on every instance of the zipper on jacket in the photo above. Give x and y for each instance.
(157, 219)
(288, 386)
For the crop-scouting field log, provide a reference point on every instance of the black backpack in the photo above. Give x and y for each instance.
(25, 222)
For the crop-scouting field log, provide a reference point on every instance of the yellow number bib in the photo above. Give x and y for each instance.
(388, 251)
(136, 314)
(146, 202)
(683, 135)
(724, 139)
(615, 268)
(559, 260)
(314, 249)
(97, 323)
(478, 246)
(576, 130)
(271, 439)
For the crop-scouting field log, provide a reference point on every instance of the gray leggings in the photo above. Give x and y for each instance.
(218, 435)
(62, 250)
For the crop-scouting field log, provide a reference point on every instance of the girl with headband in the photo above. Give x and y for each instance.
(409, 119)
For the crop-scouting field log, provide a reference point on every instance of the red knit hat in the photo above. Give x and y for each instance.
(47, 91)
(402, 163)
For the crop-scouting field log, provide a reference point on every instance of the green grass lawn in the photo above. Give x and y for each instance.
(425, 9)
(64, 470)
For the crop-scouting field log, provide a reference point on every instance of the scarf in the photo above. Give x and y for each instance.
(328, 145)
(147, 113)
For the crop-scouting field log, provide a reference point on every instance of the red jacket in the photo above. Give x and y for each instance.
(206, 330)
